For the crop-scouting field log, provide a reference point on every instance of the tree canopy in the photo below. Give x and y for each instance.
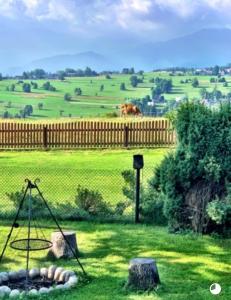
(195, 179)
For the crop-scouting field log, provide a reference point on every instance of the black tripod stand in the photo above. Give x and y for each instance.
(33, 244)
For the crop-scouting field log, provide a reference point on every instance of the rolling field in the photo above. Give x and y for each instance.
(93, 102)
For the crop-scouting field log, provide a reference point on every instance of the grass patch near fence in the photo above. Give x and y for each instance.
(188, 264)
(61, 172)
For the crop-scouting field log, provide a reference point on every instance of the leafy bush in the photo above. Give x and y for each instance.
(91, 201)
(67, 97)
(48, 87)
(218, 211)
(151, 202)
(199, 170)
(121, 207)
(122, 86)
(26, 88)
(70, 212)
(38, 206)
(152, 208)
(129, 188)
(78, 91)
(62, 211)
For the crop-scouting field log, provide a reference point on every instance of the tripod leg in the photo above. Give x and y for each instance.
(61, 231)
(12, 227)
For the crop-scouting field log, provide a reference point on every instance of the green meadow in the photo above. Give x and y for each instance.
(187, 264)
(93, 102)
(62, 171)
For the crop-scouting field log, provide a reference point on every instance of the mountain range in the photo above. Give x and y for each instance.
(206, 47)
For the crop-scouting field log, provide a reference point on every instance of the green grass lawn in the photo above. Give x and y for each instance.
(93, 102)
(188, 264)
(61, 172)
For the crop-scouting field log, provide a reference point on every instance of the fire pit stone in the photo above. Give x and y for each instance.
(51, 272)
(57, 274)
(44, 272)
(4, 290)
(33, 292)
(43, 290)
(40, 281)
(14, 294)
(34, 273)
(4, 276)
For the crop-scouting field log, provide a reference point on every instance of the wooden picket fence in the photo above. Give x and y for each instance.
(86, 134)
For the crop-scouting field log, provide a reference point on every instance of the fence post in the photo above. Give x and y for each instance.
(126, 131)
(45, 137)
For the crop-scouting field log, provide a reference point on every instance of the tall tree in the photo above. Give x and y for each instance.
(61, 75)
(28, 110)
(195, 83)
(134, 80)
(122, 86)
(6, 115)
(25, 75)
(26, 88)
(78, 91)
(38, 74)
(216, 70)
(40, 105)
(67, 97)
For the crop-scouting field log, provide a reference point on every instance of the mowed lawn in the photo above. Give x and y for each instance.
(61, 172)
(188, 264)
(93, 102)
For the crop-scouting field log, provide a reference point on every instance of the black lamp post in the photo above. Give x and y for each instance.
(138, 164)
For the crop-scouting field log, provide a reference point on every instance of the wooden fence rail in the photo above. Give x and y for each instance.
(86, 134)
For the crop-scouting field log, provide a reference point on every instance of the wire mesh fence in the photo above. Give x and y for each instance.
(72, 193)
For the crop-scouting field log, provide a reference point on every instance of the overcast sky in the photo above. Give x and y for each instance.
(31, 29)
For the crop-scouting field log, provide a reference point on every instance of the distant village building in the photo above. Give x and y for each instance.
(178, 99)
(151, 103)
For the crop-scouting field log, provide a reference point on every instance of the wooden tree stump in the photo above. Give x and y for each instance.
(143, 274)
(60, 248)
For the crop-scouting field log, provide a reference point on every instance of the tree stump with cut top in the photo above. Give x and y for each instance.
(60, 248)
(143, 274)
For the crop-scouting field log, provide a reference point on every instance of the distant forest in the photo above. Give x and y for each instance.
(88, 72)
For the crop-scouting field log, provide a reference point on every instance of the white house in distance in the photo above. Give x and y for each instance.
(151, 103)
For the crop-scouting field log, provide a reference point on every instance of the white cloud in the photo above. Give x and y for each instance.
(182, 8)
(58, 10)
(223, 6)
(133, 15)
(39, 9)
(187, 8)
(142, 6)
(130, 15)
(7, 8)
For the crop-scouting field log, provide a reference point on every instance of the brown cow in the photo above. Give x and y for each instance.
(129, 109)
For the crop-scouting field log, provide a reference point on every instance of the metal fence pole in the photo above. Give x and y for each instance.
(138, 164)
(137, 212)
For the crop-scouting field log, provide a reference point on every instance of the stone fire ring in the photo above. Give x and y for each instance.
(12, 284)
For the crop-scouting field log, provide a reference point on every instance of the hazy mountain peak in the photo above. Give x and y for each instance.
(206, 47)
